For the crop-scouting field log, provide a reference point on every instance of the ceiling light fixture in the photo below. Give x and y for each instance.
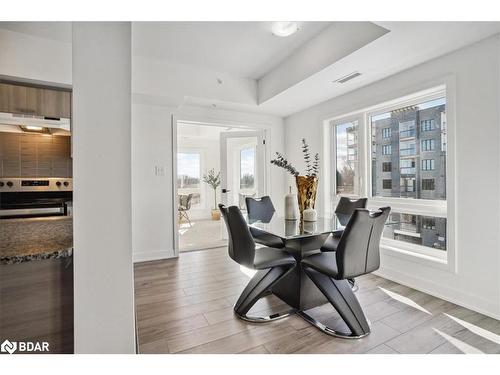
(284, 29)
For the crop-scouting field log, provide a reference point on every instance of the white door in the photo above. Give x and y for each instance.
(242, 166)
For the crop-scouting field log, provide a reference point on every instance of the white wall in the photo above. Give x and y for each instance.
(28, 57)
(152, 211)
(476, 72)
(103, 270)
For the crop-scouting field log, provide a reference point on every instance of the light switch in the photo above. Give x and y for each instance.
(159, 170)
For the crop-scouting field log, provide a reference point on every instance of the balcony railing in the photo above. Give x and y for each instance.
(407, 151)
(407, 133)
(408, 170)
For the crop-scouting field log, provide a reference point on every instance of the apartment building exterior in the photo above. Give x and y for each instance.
(409, 161)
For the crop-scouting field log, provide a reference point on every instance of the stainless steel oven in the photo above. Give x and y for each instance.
(35, 197)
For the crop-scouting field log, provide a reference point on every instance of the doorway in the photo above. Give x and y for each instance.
(214, 164)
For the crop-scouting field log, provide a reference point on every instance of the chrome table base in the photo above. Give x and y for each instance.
(329, 331)
(308, 318)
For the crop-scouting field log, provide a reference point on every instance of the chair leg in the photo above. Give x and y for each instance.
(258, 287)
(340, 294)
(183, 214)
(354, 286)
(187, 218)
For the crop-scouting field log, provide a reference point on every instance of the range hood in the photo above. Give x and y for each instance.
(32, 123)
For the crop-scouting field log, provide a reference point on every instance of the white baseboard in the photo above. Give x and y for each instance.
(444, 292)
(145, 256)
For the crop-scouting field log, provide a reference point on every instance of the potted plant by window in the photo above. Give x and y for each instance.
(213, 180)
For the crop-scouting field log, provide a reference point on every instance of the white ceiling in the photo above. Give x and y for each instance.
(248, 49)
(408, 44)
(244, 49)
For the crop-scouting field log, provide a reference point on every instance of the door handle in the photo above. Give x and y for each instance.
(225, 190)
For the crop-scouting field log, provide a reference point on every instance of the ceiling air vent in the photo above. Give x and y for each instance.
(348, 77)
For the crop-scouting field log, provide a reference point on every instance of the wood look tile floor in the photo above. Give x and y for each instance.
(184, 305)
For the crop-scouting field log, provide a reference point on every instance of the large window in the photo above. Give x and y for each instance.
(405, 162)
(346, 147)
(247, 168)
(412, 185)
(189, 176)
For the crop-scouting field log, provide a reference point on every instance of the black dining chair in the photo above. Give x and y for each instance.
(271, 264)
(357, 254)
(343, 211)
(262, 209)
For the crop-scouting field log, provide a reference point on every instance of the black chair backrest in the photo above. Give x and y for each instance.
(260, 208)
(358, 250)
(346, 207)
(241, 246)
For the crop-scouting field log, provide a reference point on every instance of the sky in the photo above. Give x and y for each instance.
(188, 164)
(342, 144)
(247, 161)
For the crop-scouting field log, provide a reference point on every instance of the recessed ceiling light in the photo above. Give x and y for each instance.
(285, 28)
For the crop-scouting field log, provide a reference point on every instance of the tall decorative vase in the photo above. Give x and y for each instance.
(307, 187)
(291, 207)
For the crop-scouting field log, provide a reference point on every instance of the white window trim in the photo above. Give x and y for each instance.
(447, 208)
(333, 167)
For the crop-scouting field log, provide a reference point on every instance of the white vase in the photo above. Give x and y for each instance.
(310, 214)
(291, 206)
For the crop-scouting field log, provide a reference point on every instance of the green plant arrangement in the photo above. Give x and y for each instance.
(307, 185)
(212, 179)
(312, 164)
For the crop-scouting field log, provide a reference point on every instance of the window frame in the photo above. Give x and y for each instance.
(443, 87)
(437, 205)
(428, 164)
(431, 128)
(386, 132)
(384, 164)
(334, 197)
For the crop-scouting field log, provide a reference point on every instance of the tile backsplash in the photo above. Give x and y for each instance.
(35, 155)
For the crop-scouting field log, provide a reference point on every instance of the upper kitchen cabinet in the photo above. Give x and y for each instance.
(13, 99)
(35, 101)
(56, 103)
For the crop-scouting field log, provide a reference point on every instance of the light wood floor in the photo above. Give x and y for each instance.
(201, 234)
(185, 306)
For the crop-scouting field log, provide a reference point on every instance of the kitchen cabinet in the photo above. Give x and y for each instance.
(35, 101)
(55, 103)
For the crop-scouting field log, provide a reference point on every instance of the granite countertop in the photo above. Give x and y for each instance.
(28, 239)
